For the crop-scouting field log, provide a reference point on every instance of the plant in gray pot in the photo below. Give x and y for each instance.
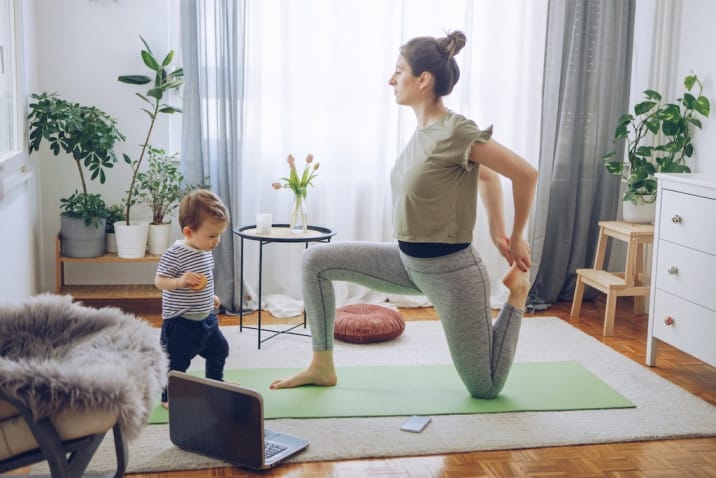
(658, 139)
(132, 236)
(87, 135)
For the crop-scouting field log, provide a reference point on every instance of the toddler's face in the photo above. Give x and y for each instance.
(207, 236)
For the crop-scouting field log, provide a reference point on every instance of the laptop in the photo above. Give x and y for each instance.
(225, 421)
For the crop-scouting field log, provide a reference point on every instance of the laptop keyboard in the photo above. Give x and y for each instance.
(271, 449)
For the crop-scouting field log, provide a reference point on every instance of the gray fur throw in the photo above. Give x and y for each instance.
(57, 355)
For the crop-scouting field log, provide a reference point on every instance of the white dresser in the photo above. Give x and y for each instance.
(682, 310)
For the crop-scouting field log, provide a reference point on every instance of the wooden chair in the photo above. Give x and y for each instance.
(632, 282)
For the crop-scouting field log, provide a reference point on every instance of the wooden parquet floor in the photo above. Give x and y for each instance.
(663, 459)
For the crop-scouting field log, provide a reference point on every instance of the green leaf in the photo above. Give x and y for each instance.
(168, 58)
(156, 93)
(127, 159)
(652, 95)
(695, 121)
(172, 84)
(644, 151)
(614, 167)
(644, 107)
(688, 101)
(621, 132)
(652, 124)
(670, 128)
(134, 79)
(150, 61)
(146, 45)
(703, 106)
(689, 81)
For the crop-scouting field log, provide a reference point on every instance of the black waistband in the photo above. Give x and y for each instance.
(430, 249)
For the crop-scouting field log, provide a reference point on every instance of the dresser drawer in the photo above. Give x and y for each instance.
(689, 220)
(687, 273)
(693, 329)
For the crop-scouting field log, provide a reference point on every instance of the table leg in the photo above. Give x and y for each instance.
(241, 288)
(259, 306)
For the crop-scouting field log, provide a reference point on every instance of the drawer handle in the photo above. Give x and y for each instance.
(673, 270)
(676, 219)
(669, 321)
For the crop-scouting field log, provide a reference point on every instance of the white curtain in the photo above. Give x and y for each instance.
(316, 81)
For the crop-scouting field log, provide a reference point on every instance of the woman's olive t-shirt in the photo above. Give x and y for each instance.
(434, 185)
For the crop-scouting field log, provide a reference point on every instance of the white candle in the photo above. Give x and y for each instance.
(263, 223)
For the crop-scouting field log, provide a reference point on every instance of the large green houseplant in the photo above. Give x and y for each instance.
(161, 82)
(87, 135)
(658, 138)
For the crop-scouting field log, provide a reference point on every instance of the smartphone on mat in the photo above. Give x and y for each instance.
(415, 424)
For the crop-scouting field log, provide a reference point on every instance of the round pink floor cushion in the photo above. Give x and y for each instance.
(366, 323)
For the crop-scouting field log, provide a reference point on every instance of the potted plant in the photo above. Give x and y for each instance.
(115, 213)
(659, 139)
(87, 135)
(159, 188)
(131, 237)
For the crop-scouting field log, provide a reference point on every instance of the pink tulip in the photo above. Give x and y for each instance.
(291, 162)
(309, 158)
(315, 167)
(276, 185)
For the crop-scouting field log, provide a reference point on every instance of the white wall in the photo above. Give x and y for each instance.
(81, 47)
(672, 39)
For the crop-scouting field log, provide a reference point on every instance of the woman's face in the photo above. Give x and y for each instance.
(405, 85)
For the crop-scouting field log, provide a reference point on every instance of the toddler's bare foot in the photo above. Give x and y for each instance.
(518, 282)
(320, 372)
(165, 405)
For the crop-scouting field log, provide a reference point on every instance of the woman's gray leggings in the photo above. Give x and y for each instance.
(456, 284)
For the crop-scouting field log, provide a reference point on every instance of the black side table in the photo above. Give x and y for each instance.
(279, 233)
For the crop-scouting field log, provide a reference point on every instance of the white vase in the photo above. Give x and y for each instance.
(640, 213)
(158, 238)
(131, 239)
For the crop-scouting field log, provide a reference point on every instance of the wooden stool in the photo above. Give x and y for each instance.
(631, 282)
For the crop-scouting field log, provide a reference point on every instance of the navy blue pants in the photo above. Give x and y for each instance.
(184, 339)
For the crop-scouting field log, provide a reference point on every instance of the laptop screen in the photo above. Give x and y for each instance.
(216, 419)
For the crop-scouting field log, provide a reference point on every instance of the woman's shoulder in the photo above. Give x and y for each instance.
(464, 127)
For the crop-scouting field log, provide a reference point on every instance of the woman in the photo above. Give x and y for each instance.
(434, 184)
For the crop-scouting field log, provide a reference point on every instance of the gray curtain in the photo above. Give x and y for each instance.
(213, 59)
(586, 88)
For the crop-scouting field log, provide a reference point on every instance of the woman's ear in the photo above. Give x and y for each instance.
(425, 80)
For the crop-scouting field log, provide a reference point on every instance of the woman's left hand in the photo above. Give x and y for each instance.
(521, 253)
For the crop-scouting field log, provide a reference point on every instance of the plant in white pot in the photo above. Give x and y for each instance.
(87, 135)
(132, 237)
(115, 213)
(659, 139)
(159, 188)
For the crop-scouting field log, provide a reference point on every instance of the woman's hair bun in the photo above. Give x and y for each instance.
(452, 43)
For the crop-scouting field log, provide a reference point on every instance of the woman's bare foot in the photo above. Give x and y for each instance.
(518, 282)
(321, 372)
(165, 405)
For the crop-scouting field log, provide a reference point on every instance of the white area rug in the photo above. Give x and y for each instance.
(663, 409)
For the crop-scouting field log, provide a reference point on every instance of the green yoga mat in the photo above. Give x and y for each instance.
(425, 390)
